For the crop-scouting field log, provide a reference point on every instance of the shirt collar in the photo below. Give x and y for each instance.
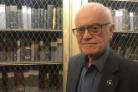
(99, 62)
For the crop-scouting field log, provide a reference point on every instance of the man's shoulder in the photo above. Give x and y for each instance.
(75, 57)
(127, 64)
(123, 61)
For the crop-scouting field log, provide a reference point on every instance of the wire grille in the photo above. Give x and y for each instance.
(125, 37)
(31, 46)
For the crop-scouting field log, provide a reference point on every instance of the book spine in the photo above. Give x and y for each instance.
(59, 53)
(59, 18)
(29, 17)
(4, 82)
(22, 51)
(33, 18)
(44, 51)
(19, 19)
(24, 17)
(42, 18)
(28, 51)
(19, 82)
(39, 18)
(35, 51)
(53, 51)
(13, 17)
(50, 16)
(11, 82)
(54, 18)
(8, 17)
(45, 19)
(2, 16)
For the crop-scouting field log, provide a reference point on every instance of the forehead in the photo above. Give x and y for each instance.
(90, 15)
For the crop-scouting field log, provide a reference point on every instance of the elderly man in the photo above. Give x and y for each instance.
(97, 68)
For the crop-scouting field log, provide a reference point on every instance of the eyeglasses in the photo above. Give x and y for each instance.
(92, 29)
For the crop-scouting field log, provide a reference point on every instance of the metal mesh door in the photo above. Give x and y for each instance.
(31, 46)
(125, 38)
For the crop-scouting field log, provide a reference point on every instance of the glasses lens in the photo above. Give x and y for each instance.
(80, 31)
(94, 29)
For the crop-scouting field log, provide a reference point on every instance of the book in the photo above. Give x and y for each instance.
(38, 13)
(49, 16)
(53, 51)
(44, 51)
(19, 82)
(18, 50)
(59, 51)
(54, 18)
(121, 20)
(35, 56)
(136, 53)
(59, 20)
(22, 50)
(29, 17)
(135, 18)
(13, 17)
(10, 50)
(127, 52)
(45, 19)
(26, 80)
(32, 84)
(1, 83)
(2, 52)
(119, 50)
(42, 18)
(24, 17)
(44, 80)
(27, 50)
(35, 17)
(11, 82)
(2, 16)
(20, 25)
(4, 82)
(131, 21)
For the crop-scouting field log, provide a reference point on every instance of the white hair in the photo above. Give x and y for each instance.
(107, 10)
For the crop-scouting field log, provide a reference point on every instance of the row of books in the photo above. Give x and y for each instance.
(125, 21)
(128, 52)
(38, 51)
(30, 18)
(30, 81)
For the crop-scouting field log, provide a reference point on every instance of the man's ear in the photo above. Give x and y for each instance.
(112, 30)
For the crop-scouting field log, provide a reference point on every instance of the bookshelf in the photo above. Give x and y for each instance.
(126, 44)
(31, 45)
(125, 37)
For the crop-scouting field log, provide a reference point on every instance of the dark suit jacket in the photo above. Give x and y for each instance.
(119, 74)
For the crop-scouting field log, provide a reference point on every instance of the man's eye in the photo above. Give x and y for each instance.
(81, 29)
(94, 27)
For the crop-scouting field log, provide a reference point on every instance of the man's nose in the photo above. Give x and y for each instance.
(86, 35)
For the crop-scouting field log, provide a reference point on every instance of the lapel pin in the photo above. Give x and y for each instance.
(109, 83)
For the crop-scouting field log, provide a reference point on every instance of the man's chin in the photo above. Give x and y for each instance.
(94, 54)
(89, 53)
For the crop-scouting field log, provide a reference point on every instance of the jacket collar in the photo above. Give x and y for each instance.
(110, 80)
(77, 71)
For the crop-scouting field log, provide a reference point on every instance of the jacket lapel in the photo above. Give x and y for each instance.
(109, 80)
(77, 72)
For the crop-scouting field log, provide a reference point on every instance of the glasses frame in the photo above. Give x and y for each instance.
(92, 32)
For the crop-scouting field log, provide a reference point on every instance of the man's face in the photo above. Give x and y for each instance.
(93, 43)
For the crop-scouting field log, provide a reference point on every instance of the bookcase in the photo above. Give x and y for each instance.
(31, 46)
(125, 37)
